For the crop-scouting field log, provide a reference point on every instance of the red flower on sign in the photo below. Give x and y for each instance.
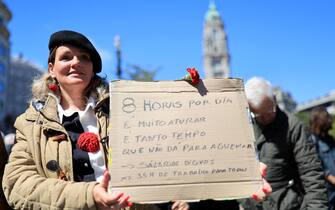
(88, 142)
(193, 76)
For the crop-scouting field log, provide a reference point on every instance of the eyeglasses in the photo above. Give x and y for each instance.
(258, 115)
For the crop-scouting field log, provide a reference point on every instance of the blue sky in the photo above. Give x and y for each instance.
(289, 42)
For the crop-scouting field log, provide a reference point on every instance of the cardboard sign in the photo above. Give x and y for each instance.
(170, 140)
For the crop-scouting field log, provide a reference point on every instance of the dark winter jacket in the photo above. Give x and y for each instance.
(326, 150)
(294, 169)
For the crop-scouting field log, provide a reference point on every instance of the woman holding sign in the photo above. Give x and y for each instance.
(59, 160)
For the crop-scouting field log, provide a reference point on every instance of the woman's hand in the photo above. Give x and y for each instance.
(266, 188)
(180, 205)
(104, 200)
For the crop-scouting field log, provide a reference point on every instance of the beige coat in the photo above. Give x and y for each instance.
(40, 138)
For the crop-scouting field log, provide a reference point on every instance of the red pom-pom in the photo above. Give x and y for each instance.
(53, 87)
(193, 76)
(88, 142)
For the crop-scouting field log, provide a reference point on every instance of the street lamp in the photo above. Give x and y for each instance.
(117, 45)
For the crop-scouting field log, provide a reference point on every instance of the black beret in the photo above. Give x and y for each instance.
(78, 40)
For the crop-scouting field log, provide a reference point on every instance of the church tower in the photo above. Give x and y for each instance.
(215, 50)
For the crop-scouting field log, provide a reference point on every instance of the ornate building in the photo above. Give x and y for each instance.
(284, 100)
(20, 78)
(5, 16)
(215, 50)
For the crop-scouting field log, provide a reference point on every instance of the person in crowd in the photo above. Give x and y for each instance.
(59, 159)
(320, 123)
(294, 169)
(9, 142)
(3, 161)
(8, 124)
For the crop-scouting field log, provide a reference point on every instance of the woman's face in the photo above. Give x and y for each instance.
(72, 68)
(326, 121)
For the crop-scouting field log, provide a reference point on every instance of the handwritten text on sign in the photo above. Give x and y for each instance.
(165, 138)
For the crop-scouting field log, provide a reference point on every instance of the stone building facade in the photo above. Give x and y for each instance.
(215, 48)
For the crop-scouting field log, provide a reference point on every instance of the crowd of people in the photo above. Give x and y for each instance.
(58, 162)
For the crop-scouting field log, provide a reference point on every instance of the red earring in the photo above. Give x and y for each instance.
(52, 85)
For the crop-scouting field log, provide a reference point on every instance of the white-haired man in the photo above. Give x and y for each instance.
(294, 170)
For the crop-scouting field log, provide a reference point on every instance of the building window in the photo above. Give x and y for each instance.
(214, 35)
(2, 68)
(2, 50)
(216, 63)
(209, 43)
(2, 87)
(217, 68)
(218, 74)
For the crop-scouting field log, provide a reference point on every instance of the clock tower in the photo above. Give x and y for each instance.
(215, 50)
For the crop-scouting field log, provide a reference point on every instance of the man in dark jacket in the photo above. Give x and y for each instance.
(294, 170)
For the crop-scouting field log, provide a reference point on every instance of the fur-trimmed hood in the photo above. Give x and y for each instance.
(40, 90)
